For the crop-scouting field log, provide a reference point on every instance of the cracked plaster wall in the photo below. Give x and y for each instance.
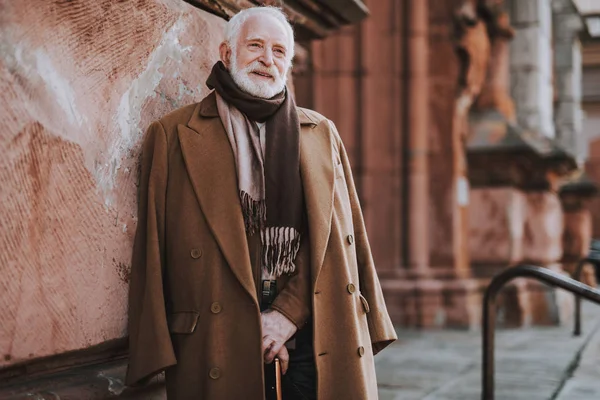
(79, 83)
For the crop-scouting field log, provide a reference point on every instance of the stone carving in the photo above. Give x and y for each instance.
(473, 51)
(495, 93)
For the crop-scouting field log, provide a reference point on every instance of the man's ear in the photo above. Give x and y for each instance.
(225, 53)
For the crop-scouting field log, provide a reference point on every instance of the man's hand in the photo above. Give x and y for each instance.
(277, 330)
(284, 357)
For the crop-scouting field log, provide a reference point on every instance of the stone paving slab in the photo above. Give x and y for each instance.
(584, 382)
(531, 364)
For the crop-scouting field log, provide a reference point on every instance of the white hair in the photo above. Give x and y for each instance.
(234, 26)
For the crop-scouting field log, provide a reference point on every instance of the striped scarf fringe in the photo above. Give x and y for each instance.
(280, 246)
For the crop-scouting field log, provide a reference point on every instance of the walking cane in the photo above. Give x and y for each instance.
(268, 293)
(278, 379)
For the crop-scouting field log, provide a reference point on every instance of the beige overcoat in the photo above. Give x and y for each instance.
(193, 305)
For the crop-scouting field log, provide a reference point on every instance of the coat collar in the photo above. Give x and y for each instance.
(210, 163)
(208, 108)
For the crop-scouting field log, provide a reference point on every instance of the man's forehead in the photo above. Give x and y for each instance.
(264, 27)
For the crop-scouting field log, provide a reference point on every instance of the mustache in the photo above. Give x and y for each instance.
(258, 67)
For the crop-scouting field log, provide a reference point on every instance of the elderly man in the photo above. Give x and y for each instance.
(250, 243)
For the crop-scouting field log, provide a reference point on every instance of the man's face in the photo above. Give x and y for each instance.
(259, 60)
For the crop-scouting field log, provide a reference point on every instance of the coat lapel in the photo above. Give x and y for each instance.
(316, 168)
(211, 166)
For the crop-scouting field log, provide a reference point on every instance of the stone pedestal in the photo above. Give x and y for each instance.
(440, 302)
(511, 226)
(497, 217)
(576, 242)
(543, 246)
(576, 195)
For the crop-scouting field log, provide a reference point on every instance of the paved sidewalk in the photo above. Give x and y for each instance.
(531, 364)
(584, 383)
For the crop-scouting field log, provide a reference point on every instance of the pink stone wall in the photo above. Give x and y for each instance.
(79, 83)
(509, 226)
(578, 233)
(592, 168)
(544, 228)
(497, 223)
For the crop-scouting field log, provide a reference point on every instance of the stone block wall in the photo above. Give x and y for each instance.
(79, 83)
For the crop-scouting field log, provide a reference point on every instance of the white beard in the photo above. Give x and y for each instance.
(263, 90)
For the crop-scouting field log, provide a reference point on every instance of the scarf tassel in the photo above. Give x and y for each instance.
(255, 212)
(280, 246)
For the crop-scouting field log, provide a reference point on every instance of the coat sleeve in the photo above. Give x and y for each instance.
(294, 301)
(381, 328)
(150, 348)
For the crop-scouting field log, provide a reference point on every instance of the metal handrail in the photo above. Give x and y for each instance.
(592, 258)
(489, 310)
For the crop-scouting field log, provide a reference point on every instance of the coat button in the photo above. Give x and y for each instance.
(215, 307)
(215, 373)
(361, 351)
(350, 239)
(196, 253)
(351, 288)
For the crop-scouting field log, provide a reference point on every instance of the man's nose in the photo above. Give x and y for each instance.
(267, 57)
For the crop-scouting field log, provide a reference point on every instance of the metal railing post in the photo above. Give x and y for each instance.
(592, 258)
(489, 310)
(488, 345)
(577, 277)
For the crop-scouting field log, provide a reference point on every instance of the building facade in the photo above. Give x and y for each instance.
(464, 123)
(463, 120)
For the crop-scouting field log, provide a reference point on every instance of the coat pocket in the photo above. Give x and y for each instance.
(365, 303)
(183, 321)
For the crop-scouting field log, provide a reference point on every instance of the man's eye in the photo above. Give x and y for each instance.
(254, 45)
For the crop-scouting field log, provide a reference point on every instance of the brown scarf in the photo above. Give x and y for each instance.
(277, 213)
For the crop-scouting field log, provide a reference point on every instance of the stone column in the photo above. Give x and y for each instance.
(413, 297)
(532, 79)
(577, 192)
(358, 81)
(515, 213)
(498, 210)
(417, 216)
(454, 86)
(567, 25)
(531, 65)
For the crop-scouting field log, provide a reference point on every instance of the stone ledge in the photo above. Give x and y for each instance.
(313, 19)
(429, 303)
(90, 382)
(580, 184)
(107, 352)
(500, 153)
